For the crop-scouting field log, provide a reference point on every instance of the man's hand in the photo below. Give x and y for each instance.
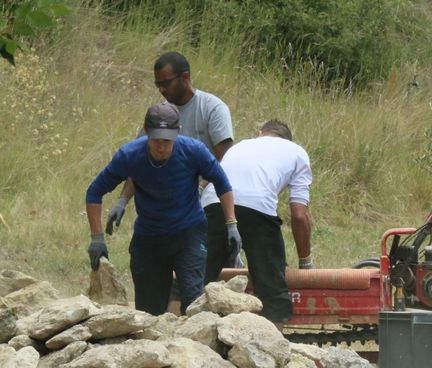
(234, 242)
(96, 250)
(116, 214)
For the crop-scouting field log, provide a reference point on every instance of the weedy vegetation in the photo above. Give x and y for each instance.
(81, 90)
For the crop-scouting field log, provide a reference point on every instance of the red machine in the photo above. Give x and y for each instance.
(353, 298)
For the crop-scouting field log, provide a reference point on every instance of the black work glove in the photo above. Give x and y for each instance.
(234, 243)
(96, 250)
(116, 214)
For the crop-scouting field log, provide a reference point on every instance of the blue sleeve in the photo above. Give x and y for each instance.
(108, 179)
(212, 171)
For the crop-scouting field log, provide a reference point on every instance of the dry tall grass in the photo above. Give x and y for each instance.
(67, 107)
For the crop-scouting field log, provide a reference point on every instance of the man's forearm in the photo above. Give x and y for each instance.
(301, 225)
(227, 203)
(94, 215)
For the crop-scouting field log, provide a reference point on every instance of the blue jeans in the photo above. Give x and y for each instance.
(153, 260)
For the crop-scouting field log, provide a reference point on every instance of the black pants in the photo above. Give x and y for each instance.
(153, 260)
(265, 252)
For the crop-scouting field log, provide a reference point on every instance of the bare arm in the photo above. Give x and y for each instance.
(227, 203)
(301, 225)
(94, 215)
(220, 148)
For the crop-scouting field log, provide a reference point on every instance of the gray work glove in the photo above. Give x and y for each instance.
(306, 263)
(96, 250)
(234, 242)
(116, 214)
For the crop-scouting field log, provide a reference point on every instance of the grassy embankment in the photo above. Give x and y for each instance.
(67, 107)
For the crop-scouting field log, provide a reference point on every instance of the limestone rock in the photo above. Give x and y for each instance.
(26, 357)
(225, 301)
(114, 323)
(21, 341)
(7, 356)
(75, 333)
(30, 298)
(201, 327)
(300, 361)
(237, 283)
(63, 356)
(11, 281)
(106, 286)
(335, 357)
(186, 353)
(131, 354)
(57, 317)
(7, 325)
(253, 336)
(199, 305)
(165, 326)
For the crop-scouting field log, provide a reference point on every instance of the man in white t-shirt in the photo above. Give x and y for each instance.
(258, 170)
(203, 116)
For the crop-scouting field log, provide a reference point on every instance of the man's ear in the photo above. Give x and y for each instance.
(186, 76)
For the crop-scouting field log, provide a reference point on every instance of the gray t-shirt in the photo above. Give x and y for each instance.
(206, 118)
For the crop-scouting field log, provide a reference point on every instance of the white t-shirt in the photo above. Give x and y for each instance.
(259, 169)
(207, 118)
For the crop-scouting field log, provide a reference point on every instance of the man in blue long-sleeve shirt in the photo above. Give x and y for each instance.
(170, 231)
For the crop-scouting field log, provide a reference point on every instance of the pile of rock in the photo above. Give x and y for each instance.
(221, 329)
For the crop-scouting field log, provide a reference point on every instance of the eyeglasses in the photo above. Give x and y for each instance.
(165, 83)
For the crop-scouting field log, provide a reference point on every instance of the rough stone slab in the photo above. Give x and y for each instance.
(132, 354)
(186, 353)
(26, 357)
(57, 317)
(252, 333)
(11, 281)
(30, 298)
(63, 356)
(7, 325)
(106, 286)
(113, 323)
(225, 301)
(75, 333)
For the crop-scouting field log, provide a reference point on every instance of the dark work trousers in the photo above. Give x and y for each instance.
(153, 260)
(265, 252)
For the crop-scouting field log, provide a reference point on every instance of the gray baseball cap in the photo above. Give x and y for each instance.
(162, 121)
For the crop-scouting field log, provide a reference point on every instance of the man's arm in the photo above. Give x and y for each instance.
(220, 148)
(227, 203)
(301, 225)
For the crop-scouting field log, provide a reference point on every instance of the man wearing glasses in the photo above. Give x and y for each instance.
(203, 116)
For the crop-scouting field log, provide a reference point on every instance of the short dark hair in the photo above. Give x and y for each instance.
(178, 62)
(277, 128)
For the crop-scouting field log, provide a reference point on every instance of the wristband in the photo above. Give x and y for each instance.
(231, 222)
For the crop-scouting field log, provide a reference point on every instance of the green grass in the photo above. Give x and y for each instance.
(67, 107)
